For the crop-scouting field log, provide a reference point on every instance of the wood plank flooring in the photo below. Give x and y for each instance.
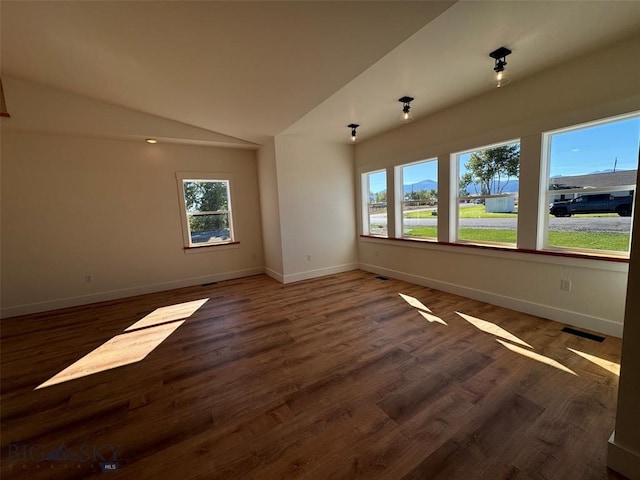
(332, 378)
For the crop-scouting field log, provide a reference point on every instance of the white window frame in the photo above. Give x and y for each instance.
(366, 202)
(399, 175)
(546, 194)
(455, 194)
(183, 177)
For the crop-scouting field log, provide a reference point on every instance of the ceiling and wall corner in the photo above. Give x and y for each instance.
(242, 69)
(253, 70)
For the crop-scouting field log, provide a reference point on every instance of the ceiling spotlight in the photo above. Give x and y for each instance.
(500, 56)
(3, 105)
(151, 140)
(353, 127)
(407, 116)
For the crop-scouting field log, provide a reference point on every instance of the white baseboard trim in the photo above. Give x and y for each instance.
(623, 460)
(321, 272)
(125, 292)
(568, 317)
(275, 275)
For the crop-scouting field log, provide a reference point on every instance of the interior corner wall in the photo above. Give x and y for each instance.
(270, 210)
(576, 93)
(317, 207)
(624, 445)
(74, 206)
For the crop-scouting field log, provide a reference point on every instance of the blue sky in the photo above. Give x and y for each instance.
(576, 152)
(596, 148)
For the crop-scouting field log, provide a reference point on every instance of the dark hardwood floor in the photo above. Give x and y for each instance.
(338, 377)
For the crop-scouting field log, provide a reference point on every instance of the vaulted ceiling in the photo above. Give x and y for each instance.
(252, 70)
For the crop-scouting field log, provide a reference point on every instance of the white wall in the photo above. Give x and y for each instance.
(624, 444)
(74, 204)
(270, 210)
(317, 207)
(580, 91)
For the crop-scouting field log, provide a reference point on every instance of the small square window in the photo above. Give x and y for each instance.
(206, 211)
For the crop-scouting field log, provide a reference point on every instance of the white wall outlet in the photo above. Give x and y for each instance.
(308, 258)
(565, 284)
(88, 278)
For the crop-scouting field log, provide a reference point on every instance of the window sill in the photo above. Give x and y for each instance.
(211, 248)
(504, 248)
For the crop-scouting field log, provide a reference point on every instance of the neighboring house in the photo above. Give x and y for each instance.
(592, 180)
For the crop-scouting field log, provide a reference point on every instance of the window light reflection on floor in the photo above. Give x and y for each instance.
(432, 318)
(601, 362)
(493, 329)
(168, 314)
(422, 309)
(414, 302)
(536, 356)
(132, 346)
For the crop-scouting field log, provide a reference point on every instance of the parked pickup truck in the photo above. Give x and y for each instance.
(595, 203)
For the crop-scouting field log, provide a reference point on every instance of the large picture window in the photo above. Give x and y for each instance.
(374, 188)
(591, 181)
(488, 184)
(206, 211)
(419, 199)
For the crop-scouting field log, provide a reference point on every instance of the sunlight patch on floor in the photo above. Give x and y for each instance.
(138, 341)
(168, 314)
(601, 362)
(493, 329)
(432, 318)
(414, 302)
(537, 357)
(123, 349)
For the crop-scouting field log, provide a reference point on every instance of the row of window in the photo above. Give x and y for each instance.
(587, 177)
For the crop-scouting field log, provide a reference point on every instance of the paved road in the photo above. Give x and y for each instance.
(570, 224)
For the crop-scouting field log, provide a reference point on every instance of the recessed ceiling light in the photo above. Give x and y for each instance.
(151, 140)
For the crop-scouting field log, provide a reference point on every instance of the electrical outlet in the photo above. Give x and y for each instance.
(88, 278)
(308, 258)
(565, 284)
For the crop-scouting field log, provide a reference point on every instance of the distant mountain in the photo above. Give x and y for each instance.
(511, 186)
(597, 172)
(422, 185)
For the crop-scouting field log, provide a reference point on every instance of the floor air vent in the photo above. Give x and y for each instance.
(590, 336)
(208, 284)
(380, 277)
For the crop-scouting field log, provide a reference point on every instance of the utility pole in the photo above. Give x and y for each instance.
(615, 164)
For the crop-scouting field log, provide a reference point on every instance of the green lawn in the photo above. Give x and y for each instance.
(471, 211)
(478, 211)
(618, 242)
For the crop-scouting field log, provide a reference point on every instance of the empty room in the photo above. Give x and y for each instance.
(319, 240)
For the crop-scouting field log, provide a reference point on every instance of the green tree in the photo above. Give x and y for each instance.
(381, 197)
(207, 196)
(491, 169)
(421, 195)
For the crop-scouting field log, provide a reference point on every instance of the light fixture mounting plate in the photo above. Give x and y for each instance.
(500, 53)
(406, 99)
